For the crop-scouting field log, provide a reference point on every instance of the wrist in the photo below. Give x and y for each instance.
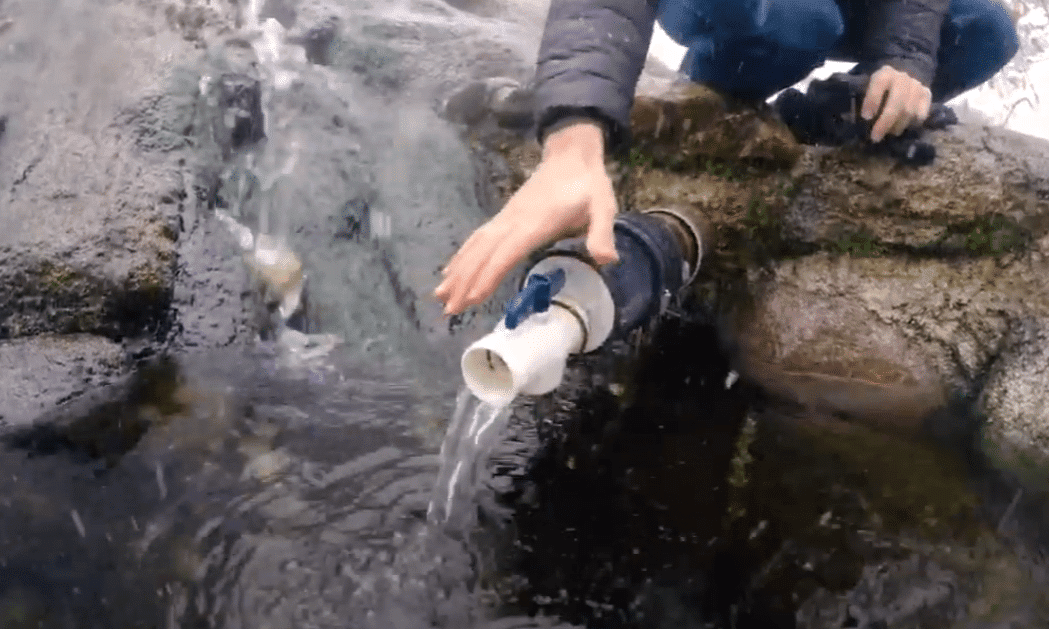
(583, 137)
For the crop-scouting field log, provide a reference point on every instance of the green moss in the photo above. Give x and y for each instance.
(910, 485)
(724, 170)
(739, 470)
(638, 158)
(761, 225)
(56, 278)
(988, 235)
(859, 244)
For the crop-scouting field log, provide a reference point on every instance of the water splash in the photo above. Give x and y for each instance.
(475, 429)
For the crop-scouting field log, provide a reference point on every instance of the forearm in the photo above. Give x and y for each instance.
(905, 34)
(590, 59)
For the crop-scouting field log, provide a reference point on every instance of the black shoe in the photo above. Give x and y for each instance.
(940, 117)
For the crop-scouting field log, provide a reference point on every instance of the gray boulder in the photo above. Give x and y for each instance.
(843, 280)
(106, 152)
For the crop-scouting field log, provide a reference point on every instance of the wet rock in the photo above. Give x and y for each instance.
(268, 465)
(950, 264)
(1016, 398)
(212, 302)
(684, 124)
(195, 21)
(280, 10)
(504, 102)
(356, 220)
(982, 197)
(37, 374)
(239, 120)
(278, 278)
(914, 279)
(88, 242)
(846, 281)
(101, 188)
(874, 338)
(318, 42)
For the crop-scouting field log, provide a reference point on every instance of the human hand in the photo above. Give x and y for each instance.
(906, 102)
(570, 190)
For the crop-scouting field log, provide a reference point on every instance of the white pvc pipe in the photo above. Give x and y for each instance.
(531, 358)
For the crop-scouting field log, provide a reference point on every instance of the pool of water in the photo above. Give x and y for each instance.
(242, 490)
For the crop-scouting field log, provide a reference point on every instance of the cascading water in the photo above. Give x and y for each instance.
(264, 180)
(473, 433)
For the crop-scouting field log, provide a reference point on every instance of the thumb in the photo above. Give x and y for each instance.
(600, 241)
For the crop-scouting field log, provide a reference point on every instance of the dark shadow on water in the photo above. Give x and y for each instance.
(78, 499)
(111, 428)
(71, 503)
(681, 499)
(683, 503)
(629, 498)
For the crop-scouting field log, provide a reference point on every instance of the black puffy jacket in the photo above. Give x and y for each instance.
(592, 52)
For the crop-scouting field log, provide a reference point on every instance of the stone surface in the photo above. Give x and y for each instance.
(39, 373)
(104, 160)
(682, 124)
(846, 282)
(880, 334)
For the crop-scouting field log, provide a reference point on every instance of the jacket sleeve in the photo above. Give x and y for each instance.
(590, 59)
(905, 34)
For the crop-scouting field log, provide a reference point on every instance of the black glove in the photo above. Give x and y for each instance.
(828, 114)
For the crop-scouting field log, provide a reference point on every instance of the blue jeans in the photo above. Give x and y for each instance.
(754, 48)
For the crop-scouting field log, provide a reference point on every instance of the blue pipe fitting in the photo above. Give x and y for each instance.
(650, 270)
(535, 297)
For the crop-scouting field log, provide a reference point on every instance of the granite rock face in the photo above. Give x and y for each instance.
(41, 372)
(843, 280)
(104, 158)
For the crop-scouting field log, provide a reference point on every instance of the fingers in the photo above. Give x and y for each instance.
(891, 114)
(924, 104)
(464, 250)
(877, 88)
(906, 101)
(563, 195)
(497, 265)
(464, 267)
(902, 120)
(600, 240)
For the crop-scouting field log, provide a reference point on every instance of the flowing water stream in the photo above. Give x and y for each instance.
(473, 433)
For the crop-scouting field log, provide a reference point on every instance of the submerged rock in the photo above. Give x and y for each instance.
(241, 121)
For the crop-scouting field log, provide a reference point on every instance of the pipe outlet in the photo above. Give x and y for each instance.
(531, 357)
(568, 305)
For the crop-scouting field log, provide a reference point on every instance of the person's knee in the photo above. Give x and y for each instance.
(810, 25)
(680, 20)
(814, 25)
(1002, 35)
